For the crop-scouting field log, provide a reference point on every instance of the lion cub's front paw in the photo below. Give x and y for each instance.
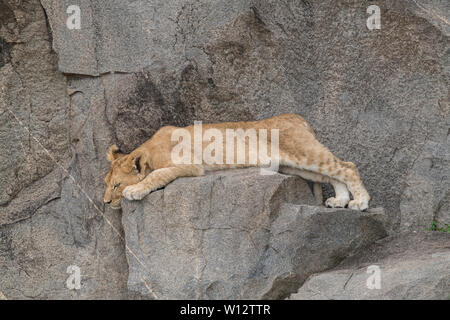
(336, 202)
(358, 204)
(135, 192)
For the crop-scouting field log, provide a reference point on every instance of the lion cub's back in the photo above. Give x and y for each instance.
(288, 124)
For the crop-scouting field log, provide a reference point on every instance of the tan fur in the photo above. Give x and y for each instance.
(150, 166)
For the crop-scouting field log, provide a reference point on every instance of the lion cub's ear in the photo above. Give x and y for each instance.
(136, 162)
(113, 153)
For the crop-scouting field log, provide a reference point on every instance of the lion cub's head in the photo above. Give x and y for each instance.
(125, 170)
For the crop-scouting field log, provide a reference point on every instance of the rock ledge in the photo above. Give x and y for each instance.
(237, 235)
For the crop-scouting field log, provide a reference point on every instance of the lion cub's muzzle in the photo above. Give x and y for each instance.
(115, 205)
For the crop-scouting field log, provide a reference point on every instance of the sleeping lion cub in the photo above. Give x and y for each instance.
(152, 165)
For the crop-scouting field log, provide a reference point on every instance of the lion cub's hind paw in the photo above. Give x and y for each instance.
(336, 203)
(360, 205)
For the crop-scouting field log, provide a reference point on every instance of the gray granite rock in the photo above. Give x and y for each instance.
(378, 98)
(46, 222)
(237, 235)
(411, 266)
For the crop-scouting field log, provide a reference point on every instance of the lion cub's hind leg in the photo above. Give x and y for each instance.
(342, 196)
(343, 175)
(317, 179)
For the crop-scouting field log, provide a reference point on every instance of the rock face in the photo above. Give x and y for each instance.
(411, 267)
(133, 67)
(378, 98)
(237, 235)
(46, 222)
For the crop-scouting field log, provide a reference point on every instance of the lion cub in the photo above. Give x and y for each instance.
(293, 146)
